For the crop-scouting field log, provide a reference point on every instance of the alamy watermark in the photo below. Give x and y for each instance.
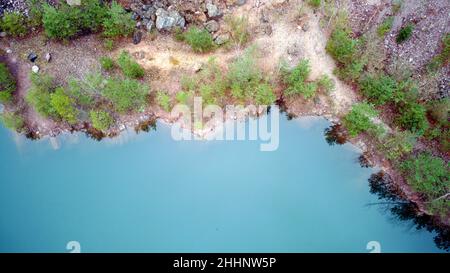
(234, 122)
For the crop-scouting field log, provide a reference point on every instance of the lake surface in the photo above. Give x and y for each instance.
(149, 193)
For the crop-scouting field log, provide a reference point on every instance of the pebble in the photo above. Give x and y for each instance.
(35, 69)
(48, 57)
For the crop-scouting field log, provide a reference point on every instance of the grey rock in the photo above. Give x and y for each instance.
(48, 57)
(32, 57)
(241, 2)
(213, 10)
(222, 39)
(137, 37)
(149, 14)
(166, 20)
(212, 26)
(2, 34)
(305, 27)
(149, 26)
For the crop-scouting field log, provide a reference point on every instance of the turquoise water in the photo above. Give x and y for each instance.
(148, 193)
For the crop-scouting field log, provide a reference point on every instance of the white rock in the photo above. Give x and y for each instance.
(35, 69)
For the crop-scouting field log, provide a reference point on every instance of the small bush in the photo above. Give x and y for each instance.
(264, 94)
(341, 46)
(14, 24)
(360, 119)
(405, 33)
(61, 23)
(38, 95)
(117, 22)
(239, 29)
(379, 89)
(296, 81)
(442, 58)
(64, 106)
(7, 84)
(129, 67)
(93, 14)
(107, 63)
(182, 97)
(439, 111)
(386, 26)
(12, 121)
(35, 12)
(352, 71)
(101, 120)
(126, 95)
(397, 144)
(199, 39)
(163, 100)
(108, 44)
(325, 83)
(413, 117)
(314, 3)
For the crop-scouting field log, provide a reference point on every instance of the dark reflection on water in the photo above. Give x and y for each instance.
(335, 134)
(404, 211)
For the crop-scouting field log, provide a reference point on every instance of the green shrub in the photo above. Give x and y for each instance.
(244, 75)
(129, 67)
(379, 89)
(386, 26)
(413, 117)
(101, 120)
(108, 44)
(7, 84)
(63, 22)
(126, 95)
(341, 46)
(182, 97)
(397, 144)
(439, 111)
(81, 93)
(63, 105)
(117, 22)
(264, 95)
(397, 6)
(314, 3)
(12, 121)
(163, 100)
(35, 12)
(428, 175)
(238, 28)
(38, 95)
(199, 39)
(107, 63)
(405, 33)
(296, 81)
(442, 58)
(352, 71)
(325, 83)
(360, 119)
(93, 14)
(14, 24)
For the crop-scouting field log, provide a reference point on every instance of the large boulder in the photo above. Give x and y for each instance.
(168, 19)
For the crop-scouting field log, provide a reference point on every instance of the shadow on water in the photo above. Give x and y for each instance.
(336, 134)
(406, 212)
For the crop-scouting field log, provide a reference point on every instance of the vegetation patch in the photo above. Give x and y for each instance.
(7, 84)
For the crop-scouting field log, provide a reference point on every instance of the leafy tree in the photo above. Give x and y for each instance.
(199, 39)
(127, 95)
(379, 89)
(295, 79)
(341, 46)
(413, 117)
(64, 105)
(101, 120)
(117, 22)
(265, 95)
(7, 84)
(163, 100)
(38, 95)
(14, 23)
(428, 175)
(93, 14)
(129, 67)
(80, 92)
(360, 119)
(12, 121)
